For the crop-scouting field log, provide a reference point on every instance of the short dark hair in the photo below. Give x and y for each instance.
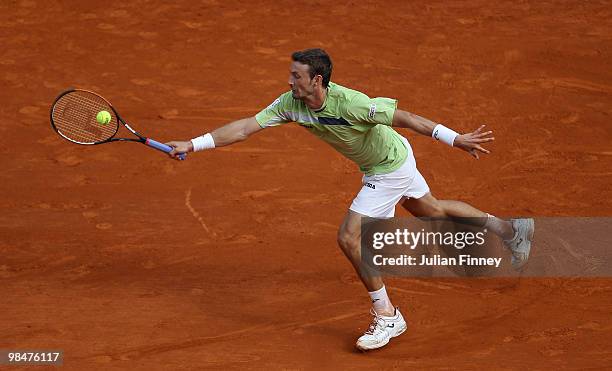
(319, 62)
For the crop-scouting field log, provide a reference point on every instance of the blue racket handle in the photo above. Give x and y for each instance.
(163, 147)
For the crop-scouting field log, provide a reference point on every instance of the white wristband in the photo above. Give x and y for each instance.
(441, 132)
(203, 142)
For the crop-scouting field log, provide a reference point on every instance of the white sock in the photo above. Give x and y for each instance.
(499, 227)
(380, 300)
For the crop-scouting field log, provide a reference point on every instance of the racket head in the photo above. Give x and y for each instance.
(73, 117)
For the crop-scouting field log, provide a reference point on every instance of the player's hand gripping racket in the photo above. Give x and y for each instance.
(84, 117)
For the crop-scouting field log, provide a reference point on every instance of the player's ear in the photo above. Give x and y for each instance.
(318, 80)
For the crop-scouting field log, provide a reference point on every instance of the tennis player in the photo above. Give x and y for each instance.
(361, 128)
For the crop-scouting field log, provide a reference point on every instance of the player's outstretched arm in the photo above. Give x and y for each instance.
(225, 135)
(469, 142)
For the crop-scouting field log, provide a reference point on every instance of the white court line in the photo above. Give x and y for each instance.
(196, 214)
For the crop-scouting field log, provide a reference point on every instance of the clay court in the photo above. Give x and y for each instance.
(125, 259)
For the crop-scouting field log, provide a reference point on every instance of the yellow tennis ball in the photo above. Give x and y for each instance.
(103, 117)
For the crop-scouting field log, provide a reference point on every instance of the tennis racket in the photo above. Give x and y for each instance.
(73, 117)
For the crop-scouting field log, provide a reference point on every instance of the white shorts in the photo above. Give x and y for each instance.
(381, 192)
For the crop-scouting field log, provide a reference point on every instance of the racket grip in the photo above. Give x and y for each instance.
(163, 147)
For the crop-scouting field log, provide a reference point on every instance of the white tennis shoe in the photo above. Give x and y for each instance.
(381, 330)
(520, 244)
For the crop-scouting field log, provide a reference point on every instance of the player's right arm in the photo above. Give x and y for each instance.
(237, 131)
(225, 135)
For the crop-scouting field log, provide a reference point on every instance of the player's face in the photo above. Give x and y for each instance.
(300, 82)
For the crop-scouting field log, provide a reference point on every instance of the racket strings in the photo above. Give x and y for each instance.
(74, 116)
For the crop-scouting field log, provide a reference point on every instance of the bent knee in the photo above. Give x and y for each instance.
(348, 241)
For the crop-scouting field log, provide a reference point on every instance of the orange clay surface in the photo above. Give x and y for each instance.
(127, 260)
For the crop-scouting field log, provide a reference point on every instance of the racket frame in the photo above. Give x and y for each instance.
(142, 139)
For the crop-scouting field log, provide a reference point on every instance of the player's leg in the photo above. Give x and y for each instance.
(429, 206)
(349, 240)
(387, 321)
(517, 234)
(377, 199)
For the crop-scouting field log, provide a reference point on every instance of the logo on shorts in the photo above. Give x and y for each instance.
(372, 110)
(370, 185)
(436, 135)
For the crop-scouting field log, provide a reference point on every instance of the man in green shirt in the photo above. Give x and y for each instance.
(360, 128)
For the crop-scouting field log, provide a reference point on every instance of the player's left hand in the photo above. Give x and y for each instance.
(471, 142)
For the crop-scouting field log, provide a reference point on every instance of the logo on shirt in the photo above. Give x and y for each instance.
(372, 110)
(277, 101)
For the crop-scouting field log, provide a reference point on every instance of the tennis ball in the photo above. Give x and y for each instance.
(103, 117)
